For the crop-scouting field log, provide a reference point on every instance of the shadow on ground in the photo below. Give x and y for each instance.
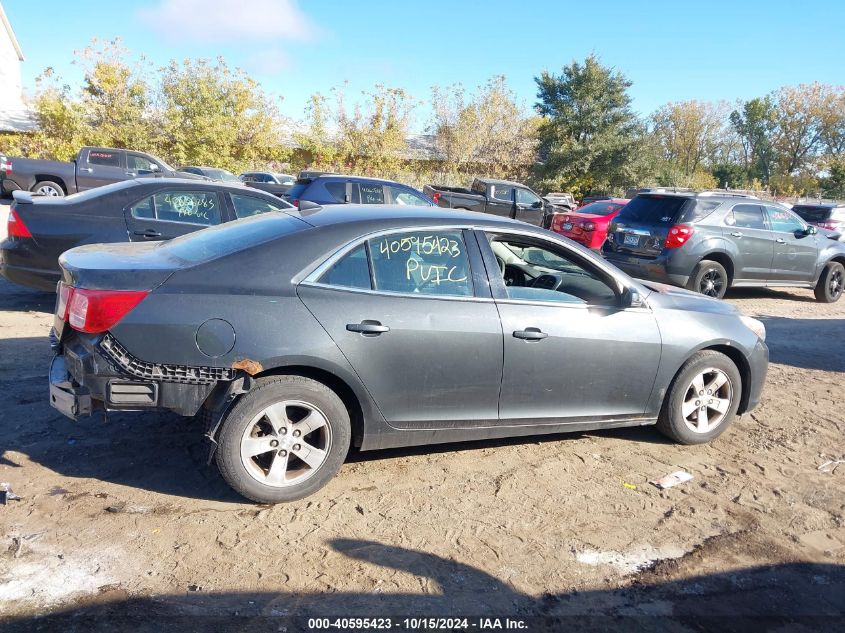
(793, 597)
(806, 343)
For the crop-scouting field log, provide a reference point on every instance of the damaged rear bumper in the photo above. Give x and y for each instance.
(96, 373)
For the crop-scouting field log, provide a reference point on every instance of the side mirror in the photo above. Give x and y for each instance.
(154, 168)
(810, 230)
(537, 205)
(631, 298)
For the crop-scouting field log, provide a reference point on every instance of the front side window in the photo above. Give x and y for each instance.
(543, 272)
(422, 262)
(747, 216)
(404, 196)
(783, 221)
(246, 206)
(191, 207)
(523, 196)
(140, 164)
(100, 157)
(503, 193)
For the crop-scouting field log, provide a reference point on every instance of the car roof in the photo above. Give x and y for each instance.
(820, 205)
(391, 215)
(353, 177)
(493, 181)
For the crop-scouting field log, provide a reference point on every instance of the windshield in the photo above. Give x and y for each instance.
(812, 213)
(221, 174)
(285, 179)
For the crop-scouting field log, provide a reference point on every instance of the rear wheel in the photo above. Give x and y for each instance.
(283, 440)
(702, 400)
(48, 188)
(709, 278)
(830, 285)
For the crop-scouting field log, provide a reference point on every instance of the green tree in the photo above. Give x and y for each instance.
(589, 138)
(755, 124)
(833, 185)
(211, 114)
(730, 175)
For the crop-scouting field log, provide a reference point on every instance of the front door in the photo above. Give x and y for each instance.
(745, 226)
(404, 310)
(529, 207)
(173, 212)
(572, 353)
(796, 252)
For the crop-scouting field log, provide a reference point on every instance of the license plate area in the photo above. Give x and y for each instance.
(631, 239)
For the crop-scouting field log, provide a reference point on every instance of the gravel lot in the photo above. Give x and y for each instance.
(123, 518)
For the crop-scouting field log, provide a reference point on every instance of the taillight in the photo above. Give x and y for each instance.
(678, 236)
(830, 225)
(65, 293)
(95, 311)
(15, 226)
(588, 226)
(6, 166)
(295, 202)
(558, 220)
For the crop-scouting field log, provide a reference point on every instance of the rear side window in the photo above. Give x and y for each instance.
(246, 206)
(99, 157)
(352, 271)
(428, 263)
(812, 213)
(297, 190)
(696, 210)
(371, 193)
(746, 216)
(191, 207)
(405, 196)
(338, 191)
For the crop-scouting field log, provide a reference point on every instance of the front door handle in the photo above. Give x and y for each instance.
(530, 334)
(132, 174)
(780, 240)
(736, 234)
(150, 234)
(87, 170)
(368, 328)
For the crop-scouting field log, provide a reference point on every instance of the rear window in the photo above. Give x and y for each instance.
(813, 214)
(228, 238)
(600, 208)
(298, 189)
(665, 210)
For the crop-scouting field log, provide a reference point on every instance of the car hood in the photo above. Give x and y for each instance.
(668, 297)
(835, 235)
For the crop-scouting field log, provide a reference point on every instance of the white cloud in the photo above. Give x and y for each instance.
(229, 21)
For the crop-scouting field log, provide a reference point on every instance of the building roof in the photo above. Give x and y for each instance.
(11, 33)
(17, 120)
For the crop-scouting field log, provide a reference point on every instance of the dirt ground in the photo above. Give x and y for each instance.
(122, 518)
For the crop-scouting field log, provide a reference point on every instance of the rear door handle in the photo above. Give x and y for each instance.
(368, 328)
(148, 233)
(736, 234)
(530, 334)
(780, 240)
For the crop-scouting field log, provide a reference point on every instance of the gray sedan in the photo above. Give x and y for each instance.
(297, 334)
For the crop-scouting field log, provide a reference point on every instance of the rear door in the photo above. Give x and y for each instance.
(407, 311)
(500, 200)
(97, 167)
(795, 252)
(746, 227)
(172, 212)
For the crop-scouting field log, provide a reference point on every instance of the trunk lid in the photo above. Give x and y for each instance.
(130, 266)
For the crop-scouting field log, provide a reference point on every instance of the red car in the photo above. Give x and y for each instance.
(588, 225)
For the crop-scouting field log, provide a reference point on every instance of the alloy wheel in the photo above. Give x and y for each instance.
(48, 190)
(286, 443)
(707, 400)
(835, 283)
(711, 283)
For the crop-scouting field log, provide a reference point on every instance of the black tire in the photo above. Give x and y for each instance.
(672, 422)
(709, 278)
(48, 185)
(266, 392)
(830, 286)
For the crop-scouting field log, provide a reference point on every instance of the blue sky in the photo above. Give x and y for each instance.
(671, 51)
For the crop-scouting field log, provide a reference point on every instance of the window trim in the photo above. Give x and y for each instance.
(312, 277)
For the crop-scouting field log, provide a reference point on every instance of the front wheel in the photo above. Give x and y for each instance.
(283, 440)
(710, 279)
(830, 285)
(702, 400)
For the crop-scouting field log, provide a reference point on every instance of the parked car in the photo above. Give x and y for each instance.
(41, 228)
(496, 197)
(92, 167)
(337, 189)
(400, 327)
(588, 224)
(271, 182)
(212, 173)
(709, 242)
(561, 201)
(829, 215)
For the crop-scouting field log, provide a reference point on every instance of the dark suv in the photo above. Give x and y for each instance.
(708, 242)
(827, 215)
(337, 189)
